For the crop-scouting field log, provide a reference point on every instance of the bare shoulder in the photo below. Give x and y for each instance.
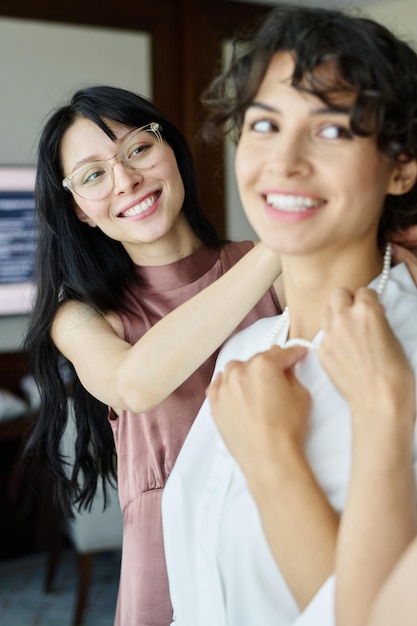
(72, 314)
(75, 318)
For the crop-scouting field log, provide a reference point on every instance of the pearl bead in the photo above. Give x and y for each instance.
(284, 317)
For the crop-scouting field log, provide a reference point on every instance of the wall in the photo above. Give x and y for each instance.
(43, 63)
(46, 62)
(399, 16)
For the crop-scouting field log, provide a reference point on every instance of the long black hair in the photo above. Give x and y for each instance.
(76, 262)
(367, 60)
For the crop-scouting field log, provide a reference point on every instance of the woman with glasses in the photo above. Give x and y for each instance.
(123, 242)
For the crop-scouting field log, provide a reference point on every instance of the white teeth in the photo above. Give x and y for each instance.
(140, 208)
(285, 202)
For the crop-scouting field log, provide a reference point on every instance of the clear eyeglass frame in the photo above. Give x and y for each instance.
(99, 192)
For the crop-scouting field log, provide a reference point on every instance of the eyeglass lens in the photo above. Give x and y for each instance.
(95, 180)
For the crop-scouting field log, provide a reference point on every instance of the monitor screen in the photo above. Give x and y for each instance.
(18, 237)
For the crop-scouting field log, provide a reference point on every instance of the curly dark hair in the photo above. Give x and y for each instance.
(368, 60)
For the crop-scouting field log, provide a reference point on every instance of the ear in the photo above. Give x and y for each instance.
(403, 178)
(83, 217)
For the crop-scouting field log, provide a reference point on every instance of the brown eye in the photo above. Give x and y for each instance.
(332, 131)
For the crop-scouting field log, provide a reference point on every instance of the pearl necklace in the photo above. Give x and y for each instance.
(285, 316)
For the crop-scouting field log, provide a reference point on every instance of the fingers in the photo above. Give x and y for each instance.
(257, 403)
(342, 302)
(365, 301)
(359, 349)
(282, 359)
(287, 357)
(403, 255)
(262, 368)
(407, 238)
(219, 378)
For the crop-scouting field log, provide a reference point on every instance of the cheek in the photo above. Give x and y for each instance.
(88, 212)
(239, 166)
(181, 190)
(243, 176)
(170, 173)
(178, 195)
(80, 212)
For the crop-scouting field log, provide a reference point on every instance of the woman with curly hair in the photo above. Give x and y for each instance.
(323, 106)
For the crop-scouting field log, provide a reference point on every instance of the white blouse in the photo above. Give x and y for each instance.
(221, 571)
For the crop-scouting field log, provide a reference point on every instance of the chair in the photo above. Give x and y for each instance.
(90, 531)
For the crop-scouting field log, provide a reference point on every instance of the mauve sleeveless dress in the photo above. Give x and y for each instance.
(147, 444)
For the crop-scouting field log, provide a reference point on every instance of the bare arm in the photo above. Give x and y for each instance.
(262, 413)
(368, 366)
(138, 377)
(396, 601)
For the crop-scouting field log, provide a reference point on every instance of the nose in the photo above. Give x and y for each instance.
(125, 178)
(290, 155)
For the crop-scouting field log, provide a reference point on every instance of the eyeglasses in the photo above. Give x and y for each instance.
(95, 180)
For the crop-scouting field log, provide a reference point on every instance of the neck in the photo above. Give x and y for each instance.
(309, 281)
(179, 243)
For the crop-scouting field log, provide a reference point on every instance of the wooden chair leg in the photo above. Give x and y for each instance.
(85, 567)
(54, 556)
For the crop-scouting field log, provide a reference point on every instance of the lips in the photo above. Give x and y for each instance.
(291, 203)
(141, 207)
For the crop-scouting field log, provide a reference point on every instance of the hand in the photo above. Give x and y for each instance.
(404, 249)
(408, 256)
(364, 359)
(258, 404)
(406, 239)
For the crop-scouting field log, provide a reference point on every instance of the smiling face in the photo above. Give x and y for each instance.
(307, 183)
(144, 207)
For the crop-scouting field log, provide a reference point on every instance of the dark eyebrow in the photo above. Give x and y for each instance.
(92, 158)
(262, 106)
(326, 109)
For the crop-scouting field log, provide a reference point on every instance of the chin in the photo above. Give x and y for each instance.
(277, 244)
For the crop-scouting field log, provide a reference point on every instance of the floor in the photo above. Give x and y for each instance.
(23, 602)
